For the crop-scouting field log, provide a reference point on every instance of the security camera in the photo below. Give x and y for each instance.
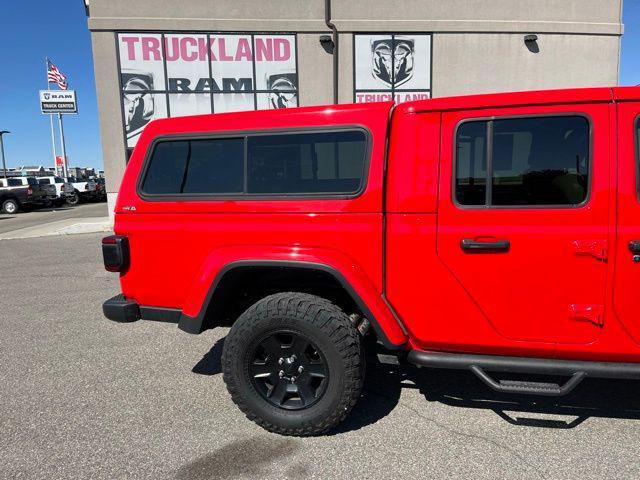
(327, 43)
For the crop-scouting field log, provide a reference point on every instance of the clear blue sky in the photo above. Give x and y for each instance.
(630, 59)
(30, 31)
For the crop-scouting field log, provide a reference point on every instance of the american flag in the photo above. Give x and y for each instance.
(55, 76)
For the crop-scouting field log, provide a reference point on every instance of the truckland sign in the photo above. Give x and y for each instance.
(166, 75)
(58, 101)
(392, 67)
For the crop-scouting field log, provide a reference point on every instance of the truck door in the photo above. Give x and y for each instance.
(523, 217)
(627, 267)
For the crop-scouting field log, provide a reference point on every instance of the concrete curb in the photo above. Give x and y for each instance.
(63, 227)
(85, 228)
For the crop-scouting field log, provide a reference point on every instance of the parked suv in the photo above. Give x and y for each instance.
(64, 190)
(25, 193)
(14, 196)
(496, 233)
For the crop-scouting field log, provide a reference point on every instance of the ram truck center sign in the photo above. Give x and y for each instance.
(58, 101)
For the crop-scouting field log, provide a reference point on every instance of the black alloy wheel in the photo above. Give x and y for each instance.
(288, 370)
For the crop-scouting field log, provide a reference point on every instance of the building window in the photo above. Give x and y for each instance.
(169, 75)
(527, 161)
(392, 67)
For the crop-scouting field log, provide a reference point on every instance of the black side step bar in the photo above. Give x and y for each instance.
(480, 364)
(534, 388)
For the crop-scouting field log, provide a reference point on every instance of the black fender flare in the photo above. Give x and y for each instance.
(195, 324)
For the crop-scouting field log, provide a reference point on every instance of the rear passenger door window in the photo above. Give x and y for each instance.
(637, 154)
(542, 161)
(471, 167)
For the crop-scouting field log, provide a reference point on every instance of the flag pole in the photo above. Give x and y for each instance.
(65, 167)
(53, 144)
(53, 136)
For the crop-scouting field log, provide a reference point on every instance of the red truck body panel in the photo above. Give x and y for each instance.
(204, 236)
(565, 288)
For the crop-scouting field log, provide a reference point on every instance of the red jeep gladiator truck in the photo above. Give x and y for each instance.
(498, 233)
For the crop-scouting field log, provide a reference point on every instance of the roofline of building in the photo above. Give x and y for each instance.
(351, 26)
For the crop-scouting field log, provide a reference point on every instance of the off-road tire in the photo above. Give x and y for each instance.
(324, 324)
(10, 206)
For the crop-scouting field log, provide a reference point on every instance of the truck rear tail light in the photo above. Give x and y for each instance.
(115, 253)
(29, 191)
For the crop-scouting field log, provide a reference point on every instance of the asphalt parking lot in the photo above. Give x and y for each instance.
(83, 397)
(42, 216)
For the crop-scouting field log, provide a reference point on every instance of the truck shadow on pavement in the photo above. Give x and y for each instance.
(211, 363)
(385, 381)
(462, 389)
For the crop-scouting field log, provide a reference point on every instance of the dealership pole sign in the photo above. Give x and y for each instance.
(170, 75)
(58, 101)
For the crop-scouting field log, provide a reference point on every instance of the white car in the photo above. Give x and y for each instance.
(64, 190)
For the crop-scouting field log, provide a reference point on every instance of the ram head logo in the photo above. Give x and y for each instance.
(282, 90)
(138, 101)
(392, 60)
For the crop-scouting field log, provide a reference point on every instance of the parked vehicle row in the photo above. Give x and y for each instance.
(26, 193)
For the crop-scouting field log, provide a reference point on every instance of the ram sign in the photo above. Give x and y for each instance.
(169, 75)
(58, 101)
(392, 67)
